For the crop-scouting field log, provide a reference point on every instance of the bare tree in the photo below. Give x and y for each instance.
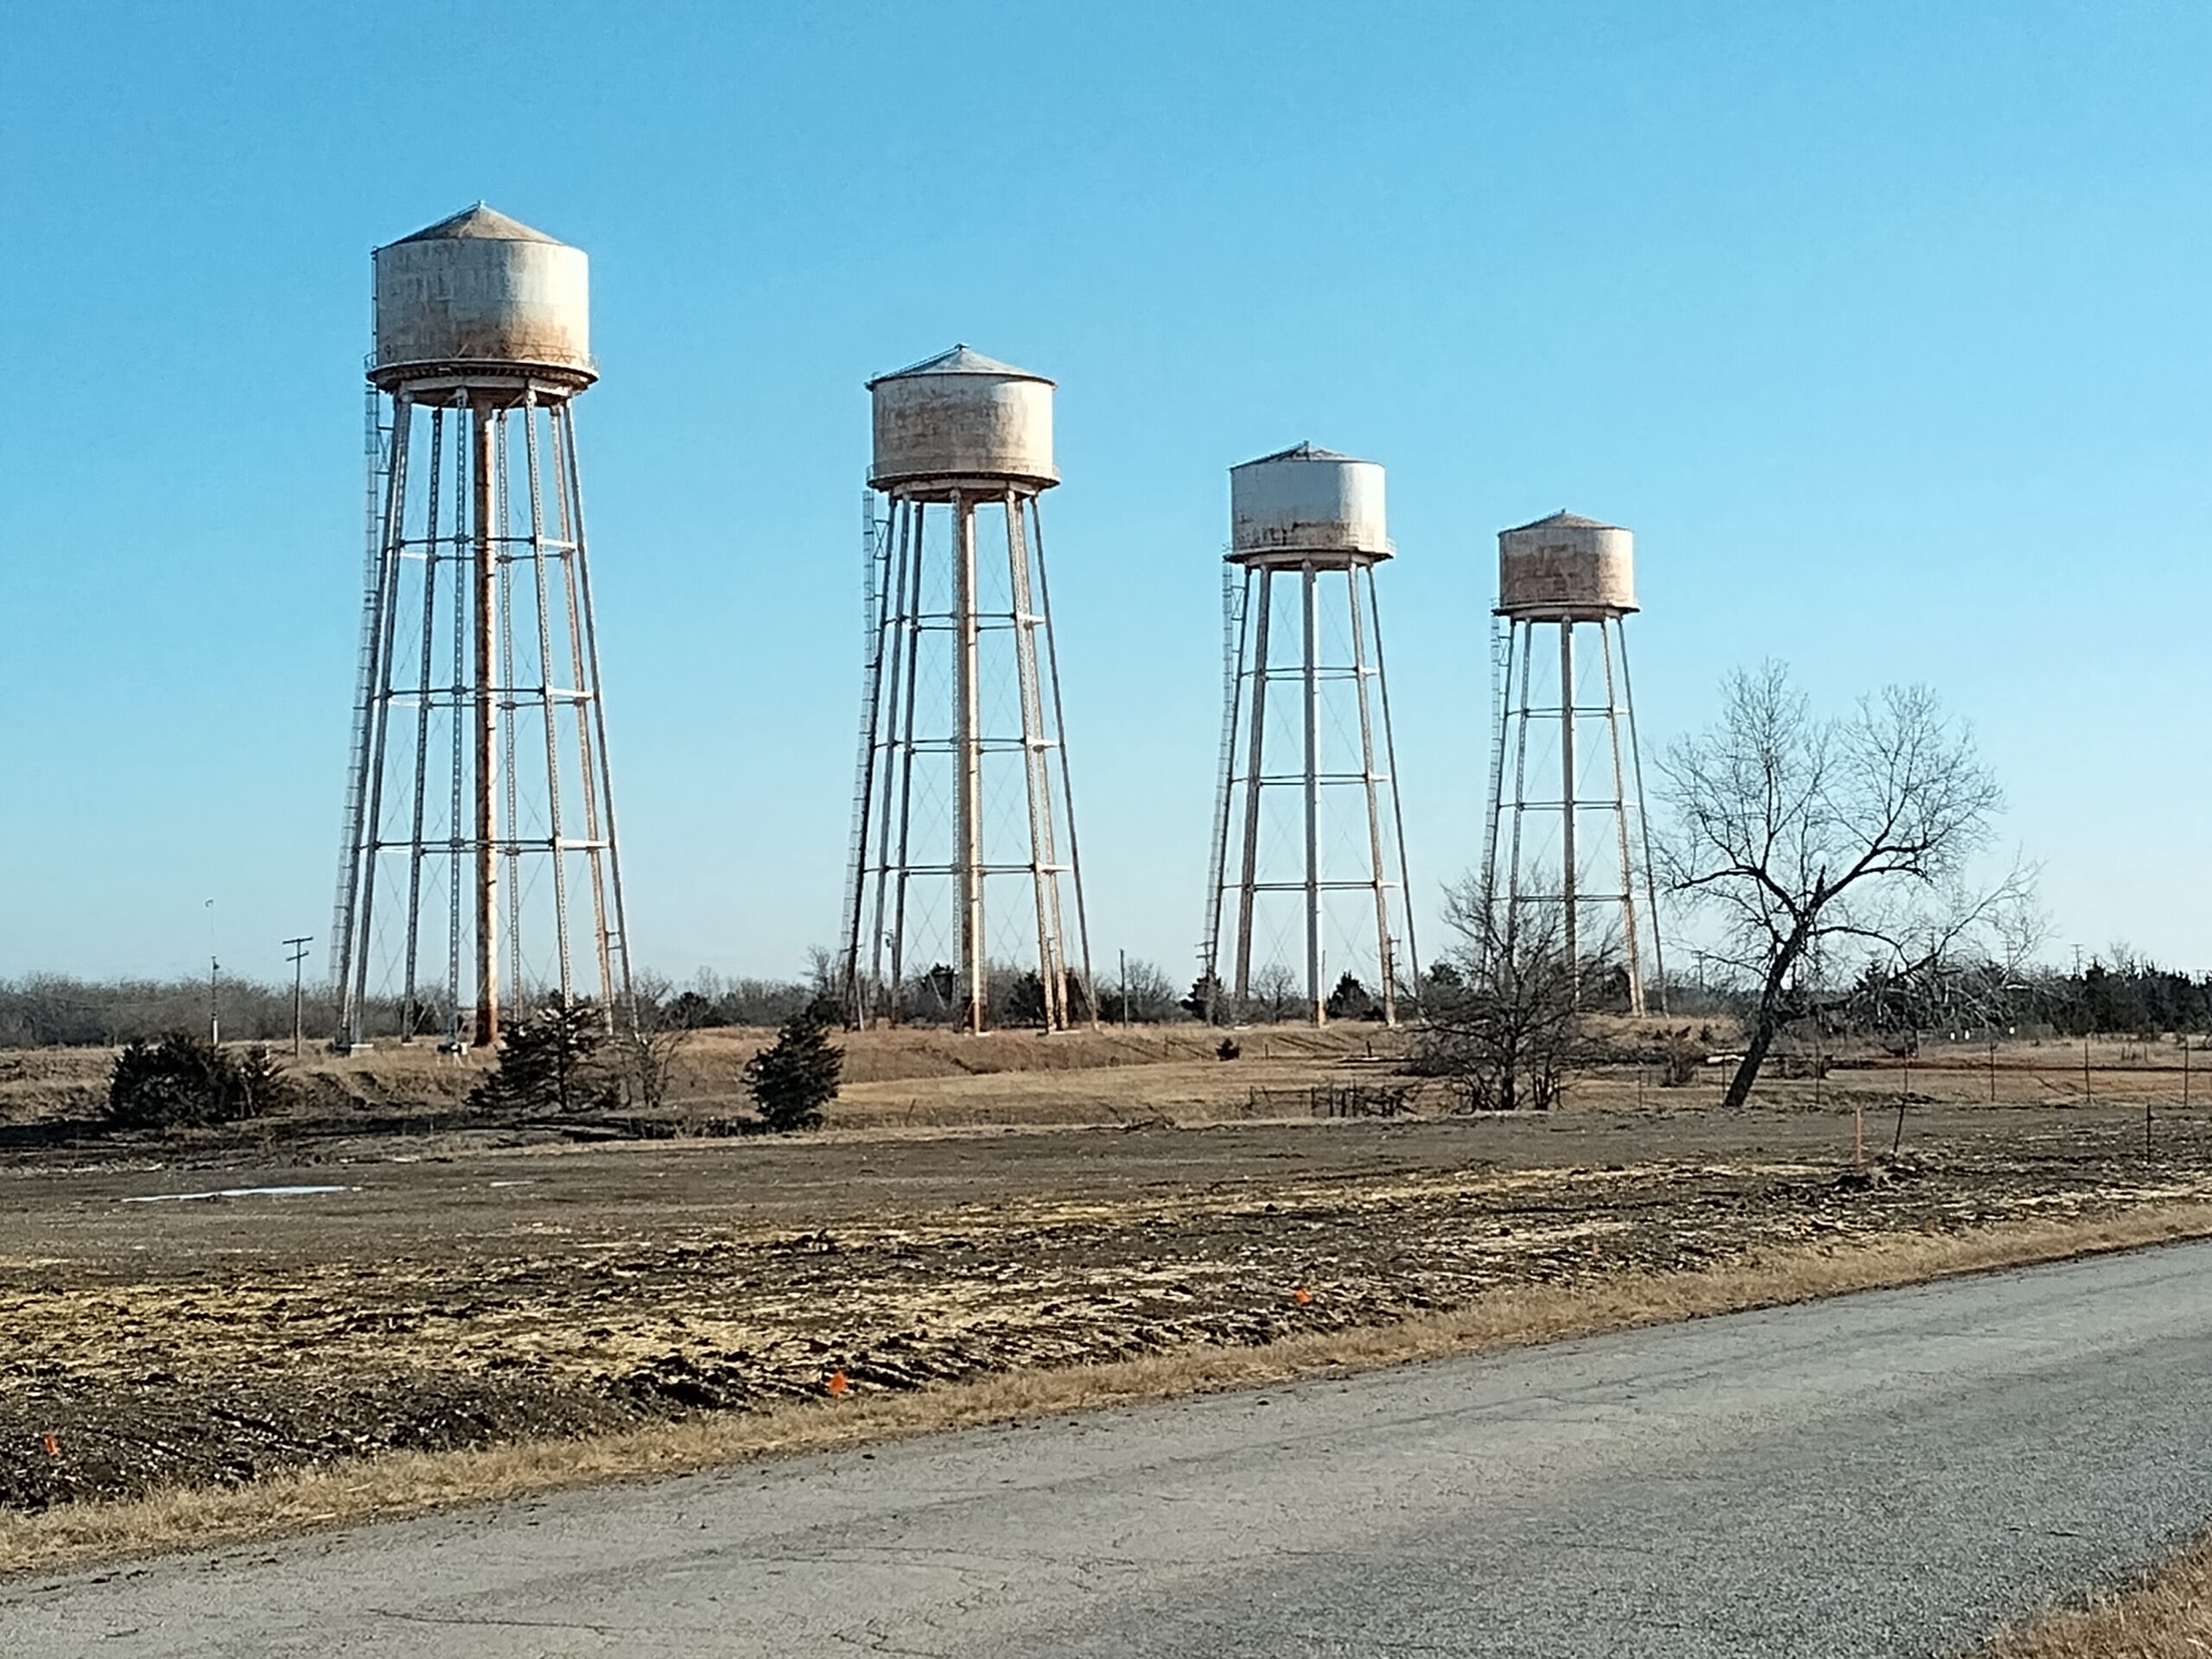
(1510, 1025)
(646, 1045)
(1278, 990)
(1811, 837)
(1140, 991)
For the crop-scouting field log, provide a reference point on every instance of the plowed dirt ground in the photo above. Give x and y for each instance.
(452, 1291)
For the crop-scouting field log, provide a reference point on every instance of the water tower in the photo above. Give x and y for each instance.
(1309, 853)
(963, 779)
(478, 806)
(1585, 847)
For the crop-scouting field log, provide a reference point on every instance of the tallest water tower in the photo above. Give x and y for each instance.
(478, 858)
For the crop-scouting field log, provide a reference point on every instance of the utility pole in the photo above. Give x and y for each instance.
(214, 1017)
(299, 955)
(1125, 990)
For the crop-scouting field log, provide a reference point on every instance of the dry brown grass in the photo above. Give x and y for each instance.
(2166, 1614)
(903, 1075)
(412, 1483)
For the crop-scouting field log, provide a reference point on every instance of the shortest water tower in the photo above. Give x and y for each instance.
(962, 774)
(1587, 850)
(1308, 851)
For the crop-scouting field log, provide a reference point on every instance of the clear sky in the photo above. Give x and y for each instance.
(1884, 326)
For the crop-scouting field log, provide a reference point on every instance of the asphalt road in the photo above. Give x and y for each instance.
(1885, 1474)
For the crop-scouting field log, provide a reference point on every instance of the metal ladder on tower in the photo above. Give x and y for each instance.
(1501, 637)
(1233, 586)
(875, 580)
(1501, 692)
(376, 450)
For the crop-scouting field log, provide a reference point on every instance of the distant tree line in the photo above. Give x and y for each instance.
(2128, 997)
(712, 1000)
(59, 1010)
(1014, 996)
(1277, 993)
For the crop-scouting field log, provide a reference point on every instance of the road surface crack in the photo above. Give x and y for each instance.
(505, 1623)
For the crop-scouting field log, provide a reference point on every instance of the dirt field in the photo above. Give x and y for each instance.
(454, 1285)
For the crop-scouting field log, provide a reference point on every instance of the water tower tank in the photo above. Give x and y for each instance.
(963, 415)
(1306, 506)
(1566, 566)
(481, 292)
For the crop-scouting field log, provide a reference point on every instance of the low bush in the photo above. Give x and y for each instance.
(183, 1080)
(797, 1076)
(550, 1062)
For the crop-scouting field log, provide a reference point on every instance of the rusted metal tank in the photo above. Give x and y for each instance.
(480, 293)
(1305, 505)
(1566, 566)
(961, 417)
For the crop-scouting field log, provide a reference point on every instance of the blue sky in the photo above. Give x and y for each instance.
(1884, 325)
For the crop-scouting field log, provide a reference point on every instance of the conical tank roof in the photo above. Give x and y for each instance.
(961, 360)
(1561, 520)
(480, 223)
(1298, 452)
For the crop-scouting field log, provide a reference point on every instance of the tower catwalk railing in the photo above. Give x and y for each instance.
(914, 636)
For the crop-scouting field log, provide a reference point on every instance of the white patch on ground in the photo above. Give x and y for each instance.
(238, 1193)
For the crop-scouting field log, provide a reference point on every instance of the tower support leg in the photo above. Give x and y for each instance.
(1511, 930)
(1643, 826)
(1051, 967)
(1567, 805)
(1248, 870)
(1386, 968)
(1317, 1009)
(918, 518)
(434, 556)
(611, 918)
(967, 852)
(1412, 953)
(488, 732)
(1076, 969)
(555, 835)
(1080, 966)
(1635, 957)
